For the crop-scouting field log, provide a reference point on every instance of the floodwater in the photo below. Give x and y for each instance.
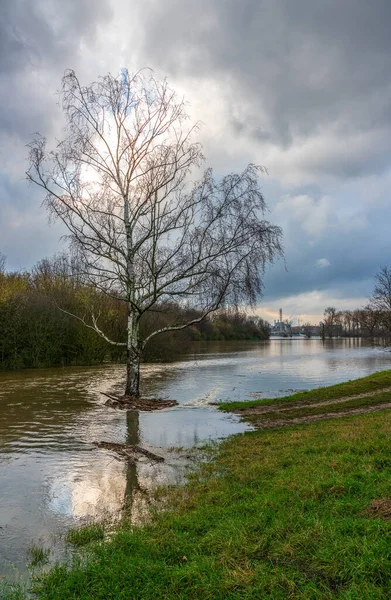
(52, 477)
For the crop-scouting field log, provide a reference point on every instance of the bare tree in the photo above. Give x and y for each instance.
(332, 321)
(369, 320)
(356, 325)
(381, 298)
(346, 322)
(144, 234)
(382, 293)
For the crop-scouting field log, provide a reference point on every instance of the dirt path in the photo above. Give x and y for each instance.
(284, 410)
(274, 423)
(279, 408)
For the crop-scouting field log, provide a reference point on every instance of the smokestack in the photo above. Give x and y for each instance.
(280, 315)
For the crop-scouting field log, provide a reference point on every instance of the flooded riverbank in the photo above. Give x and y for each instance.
(53, 477)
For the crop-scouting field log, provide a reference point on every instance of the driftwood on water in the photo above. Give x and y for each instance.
(134, 403)
(129, 451)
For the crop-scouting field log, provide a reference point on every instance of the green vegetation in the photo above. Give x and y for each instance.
(282, 514)
(364, 385)
(12, 591)
(38, 555)
(86, 535)
(35, 333)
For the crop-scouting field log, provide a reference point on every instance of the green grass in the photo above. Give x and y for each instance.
(368, 384)
(87, 534)
(275, 515)
(12, 591)
(38, 555)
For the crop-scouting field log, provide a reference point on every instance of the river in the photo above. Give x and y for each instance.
(52, 477)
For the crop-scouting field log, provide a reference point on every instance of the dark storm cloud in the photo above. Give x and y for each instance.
(38, 41)
(302, 86)
(289, 69)
(328, 250)
(308, 84)
(46, 32)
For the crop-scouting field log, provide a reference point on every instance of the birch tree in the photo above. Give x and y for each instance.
(144, 230)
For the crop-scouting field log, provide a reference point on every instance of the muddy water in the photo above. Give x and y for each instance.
(53, 477)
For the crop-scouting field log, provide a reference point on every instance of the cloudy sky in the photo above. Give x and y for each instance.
(302, 87)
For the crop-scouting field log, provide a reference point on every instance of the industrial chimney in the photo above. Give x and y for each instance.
(280, 315)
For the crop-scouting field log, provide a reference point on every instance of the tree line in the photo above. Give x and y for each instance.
(38, 329)
(371, 321)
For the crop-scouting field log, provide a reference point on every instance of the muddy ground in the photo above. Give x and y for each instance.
(278, 415)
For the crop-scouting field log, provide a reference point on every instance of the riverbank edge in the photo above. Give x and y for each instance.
(364, 385)
(288, 513)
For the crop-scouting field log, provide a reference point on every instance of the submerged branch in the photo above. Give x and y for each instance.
(136, 403)
(129, 451)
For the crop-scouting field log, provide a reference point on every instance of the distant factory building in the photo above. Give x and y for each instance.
(281, 328)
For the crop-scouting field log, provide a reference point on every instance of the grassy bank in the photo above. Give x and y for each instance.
(364, 385)
(298, 513)
(360, 396)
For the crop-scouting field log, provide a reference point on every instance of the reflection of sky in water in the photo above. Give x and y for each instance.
(192, 426)
(268, 369)
(51, 475)
(60, 500)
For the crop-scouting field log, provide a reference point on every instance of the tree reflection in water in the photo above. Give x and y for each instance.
(136, 496)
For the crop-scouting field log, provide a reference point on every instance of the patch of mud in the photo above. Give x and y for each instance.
(273, 424)
(262, 410)
(380, 507)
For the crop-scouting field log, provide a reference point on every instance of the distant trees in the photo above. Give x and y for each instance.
(144, 234)
(364, 322)
(369, 321)
(332, 322)
(232, 324)
(372, 321)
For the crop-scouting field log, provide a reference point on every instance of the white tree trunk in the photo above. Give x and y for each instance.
(133, 357)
